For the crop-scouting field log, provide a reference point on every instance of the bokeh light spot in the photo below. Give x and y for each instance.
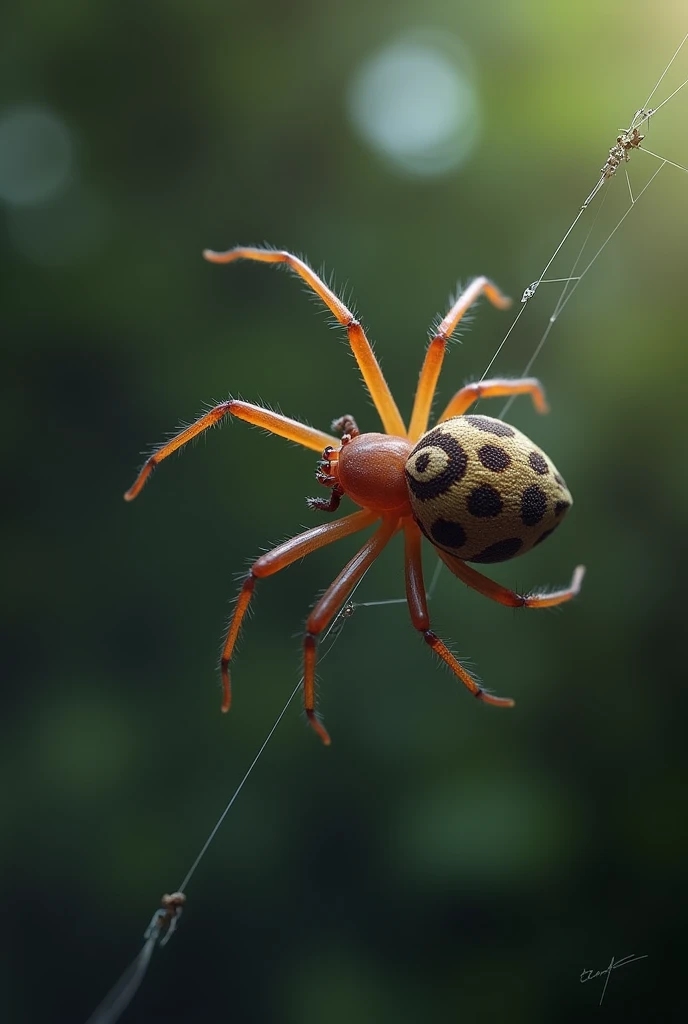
(35, 155)
(415, 102)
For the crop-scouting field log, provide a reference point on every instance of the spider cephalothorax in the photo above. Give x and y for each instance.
(477, 488)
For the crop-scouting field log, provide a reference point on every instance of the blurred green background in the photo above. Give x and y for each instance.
(442, 861)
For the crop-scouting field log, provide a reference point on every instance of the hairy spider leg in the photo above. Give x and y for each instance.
(496, 388)
(502, 595)
(434, 356)
(418, 607)
(275, 560)
(328, 606)
(274, 422)
(360, 346)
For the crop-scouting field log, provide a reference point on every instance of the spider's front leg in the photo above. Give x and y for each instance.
(273, 422)
(360, 346)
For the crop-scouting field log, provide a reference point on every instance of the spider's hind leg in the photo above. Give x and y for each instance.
(502, 595)
(418, 606)
(498, 388)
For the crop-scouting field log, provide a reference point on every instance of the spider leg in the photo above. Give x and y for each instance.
(418, 606)
(434, 355)
(360, 346)
(274, 422)
(464, 398)
(502, 595)
(328, 606)
(275, 560)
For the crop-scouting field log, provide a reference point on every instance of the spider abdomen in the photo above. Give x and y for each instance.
(482, 491)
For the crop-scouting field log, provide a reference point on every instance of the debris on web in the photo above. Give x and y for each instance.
(164, 921)
(530, 291)
(158, 933)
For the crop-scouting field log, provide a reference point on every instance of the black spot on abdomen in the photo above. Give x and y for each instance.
(500, 551)
(538, 463)
(454, 470)
(484, 501)
(493, 457)
(491, 426)
(533, 505)
(448, 534)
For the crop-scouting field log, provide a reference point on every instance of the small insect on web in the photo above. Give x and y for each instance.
(630, 143)
(620, 153)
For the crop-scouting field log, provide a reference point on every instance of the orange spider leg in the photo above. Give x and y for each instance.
(275, 560)
(502, 595)
(329, 604)
(434, 355)
(464, 398)
(360, 346)
(418, 606)
(272, 421)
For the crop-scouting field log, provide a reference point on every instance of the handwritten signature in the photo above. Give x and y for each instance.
(590, 975)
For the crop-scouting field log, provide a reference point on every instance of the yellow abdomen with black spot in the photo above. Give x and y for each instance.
(482, 491)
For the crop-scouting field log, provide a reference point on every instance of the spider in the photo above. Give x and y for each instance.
(478, 489)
